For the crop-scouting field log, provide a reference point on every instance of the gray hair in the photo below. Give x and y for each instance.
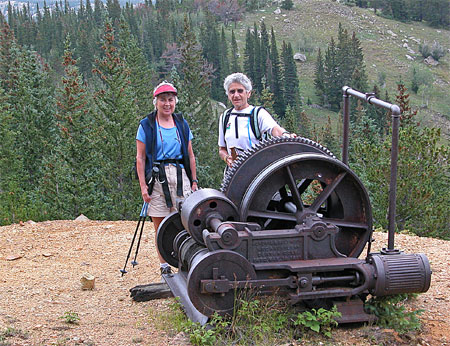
(237, 78)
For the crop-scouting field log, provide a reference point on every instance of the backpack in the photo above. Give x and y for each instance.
(253, 121)
(184, 133)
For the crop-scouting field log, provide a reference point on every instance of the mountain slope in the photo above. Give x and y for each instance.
(386, 46)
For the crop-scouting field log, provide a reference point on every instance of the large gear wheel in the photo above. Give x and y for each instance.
(252, 161)
(279, 186)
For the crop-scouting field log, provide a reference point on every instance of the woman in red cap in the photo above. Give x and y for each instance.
(165, 161)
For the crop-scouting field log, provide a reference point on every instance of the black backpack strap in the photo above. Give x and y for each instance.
(179, 116)
(254, 122)
(226, 117)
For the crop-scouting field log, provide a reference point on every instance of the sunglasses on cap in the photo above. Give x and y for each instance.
(239, 91)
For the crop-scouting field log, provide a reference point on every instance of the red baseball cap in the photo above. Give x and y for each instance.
(164, 88)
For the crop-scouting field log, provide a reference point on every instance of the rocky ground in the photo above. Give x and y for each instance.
(42, 264)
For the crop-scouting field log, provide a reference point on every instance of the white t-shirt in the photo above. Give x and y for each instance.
(246, 138)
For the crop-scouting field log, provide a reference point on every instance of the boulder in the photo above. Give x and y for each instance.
(82, 218)
(87, 282)
(430, 61)
(300, 57)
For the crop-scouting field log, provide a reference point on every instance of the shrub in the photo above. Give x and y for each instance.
(435, 50)
(392, 313)
(319, 320)
(70, 317)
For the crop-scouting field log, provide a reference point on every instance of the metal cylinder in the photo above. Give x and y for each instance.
(400, 273)
(204, 205)
(188, 250)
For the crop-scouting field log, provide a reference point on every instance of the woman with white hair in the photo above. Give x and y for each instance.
(165, 161)
(243, 125)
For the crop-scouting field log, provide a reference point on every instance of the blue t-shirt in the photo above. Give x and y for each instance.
(168, 142)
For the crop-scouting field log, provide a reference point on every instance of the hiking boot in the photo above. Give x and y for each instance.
(166, 270)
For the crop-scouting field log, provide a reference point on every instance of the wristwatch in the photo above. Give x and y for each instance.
(195, 181)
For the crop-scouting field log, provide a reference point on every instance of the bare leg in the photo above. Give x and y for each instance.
(156, 223)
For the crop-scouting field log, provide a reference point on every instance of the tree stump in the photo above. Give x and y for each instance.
(143, 293)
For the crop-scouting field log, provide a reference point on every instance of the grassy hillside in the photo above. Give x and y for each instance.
(312, 23)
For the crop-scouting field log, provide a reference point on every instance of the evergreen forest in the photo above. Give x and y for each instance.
(76, 81)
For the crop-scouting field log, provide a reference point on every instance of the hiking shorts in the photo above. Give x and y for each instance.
(157, 206)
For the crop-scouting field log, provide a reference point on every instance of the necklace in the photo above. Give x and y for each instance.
(162, 139)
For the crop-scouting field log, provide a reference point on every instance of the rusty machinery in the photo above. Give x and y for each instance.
(290, 220)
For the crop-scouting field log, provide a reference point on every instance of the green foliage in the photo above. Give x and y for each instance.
(423, 174)
(287, 4)
(392, 313)
(343, 64)
(435, 50)
(197, 109)
(117, 115)
(57, 161)
(291, 121)
(10, 332)
(70, 317)
(255, 321)
(290, 78)
(319, 320)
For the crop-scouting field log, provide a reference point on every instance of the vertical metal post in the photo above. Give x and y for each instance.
(346, 119)
(371, 99)
(393, 181)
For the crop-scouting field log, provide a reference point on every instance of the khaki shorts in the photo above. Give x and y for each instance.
(157, 206)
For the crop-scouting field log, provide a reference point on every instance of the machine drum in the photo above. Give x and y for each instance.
(400, 273)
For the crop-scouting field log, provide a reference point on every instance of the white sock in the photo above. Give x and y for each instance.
(163, 265)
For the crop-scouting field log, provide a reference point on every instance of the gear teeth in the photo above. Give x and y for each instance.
(250, 153)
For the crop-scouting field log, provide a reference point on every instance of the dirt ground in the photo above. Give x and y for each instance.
(41, 265)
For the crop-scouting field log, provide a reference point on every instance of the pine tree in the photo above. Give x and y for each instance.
(319, 79)
(287, 5)
(291, 120)
(249, 56)
(117, 118)
(211, 46)
(224, 63)
(13, 196)
(140, 73)
(33, 109)
(7, 42)
(85, 51)
(265, 52)
(422, 179)
(257, 60)
(114, 10)
(277, 78)
(329, 139)
(290, 78)
(305, 125)
(266, 99)
(195, 104)
(234, 54)
(71, 172)
(358, 76)
(331, 77)
(99, 9)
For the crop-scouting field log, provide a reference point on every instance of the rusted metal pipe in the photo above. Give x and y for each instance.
(346, 125)
(395, 110)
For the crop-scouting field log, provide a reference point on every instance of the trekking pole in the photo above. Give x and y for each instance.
(143, 214)
(123, 271)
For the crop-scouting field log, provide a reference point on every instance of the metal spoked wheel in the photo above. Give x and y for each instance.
(290, 189)
(253, 161)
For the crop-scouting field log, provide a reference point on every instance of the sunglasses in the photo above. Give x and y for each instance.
(233, 91)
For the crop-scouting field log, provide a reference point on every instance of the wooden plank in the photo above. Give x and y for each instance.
(143, 293)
